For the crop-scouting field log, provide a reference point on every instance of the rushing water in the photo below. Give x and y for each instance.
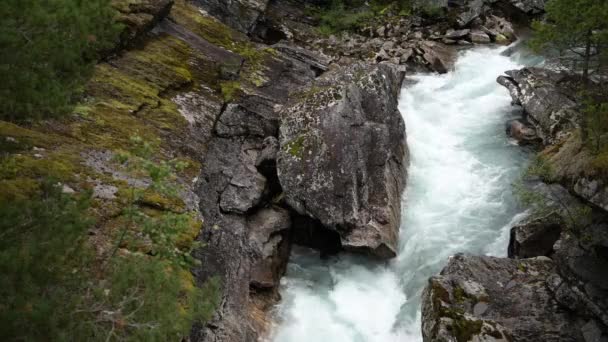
(458, 199)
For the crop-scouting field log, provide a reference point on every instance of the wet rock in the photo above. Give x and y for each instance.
(439, 57)
(269, 237)
(510, 84)
(548, 109)
(535, 237)
(522, 133)
(478, 298)
(343, 156)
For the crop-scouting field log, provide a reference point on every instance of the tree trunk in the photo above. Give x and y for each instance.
(586, 62)
(587, 58)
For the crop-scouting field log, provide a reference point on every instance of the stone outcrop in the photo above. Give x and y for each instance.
(248, 243)
(535, 237)
(546, 104)
(343, 157)
(241, 15)
(478, 298)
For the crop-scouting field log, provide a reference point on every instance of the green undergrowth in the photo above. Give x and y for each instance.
(114, 268)
(220, 35)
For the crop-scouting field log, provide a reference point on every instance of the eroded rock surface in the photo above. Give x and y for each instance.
(535, 237)
(238, 14)
(547, 106)
(343, 157)
(478, 298)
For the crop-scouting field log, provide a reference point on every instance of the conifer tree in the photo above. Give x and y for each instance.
(47, 51)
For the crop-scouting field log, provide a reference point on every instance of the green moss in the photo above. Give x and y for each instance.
(465, 329)
(230, 90)
(166, 203)
(223, 36)
(296, 146)
(459, 294)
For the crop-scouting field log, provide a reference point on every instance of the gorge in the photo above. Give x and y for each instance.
(309, 170)
(458, 199)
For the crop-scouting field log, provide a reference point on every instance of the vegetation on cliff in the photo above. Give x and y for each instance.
(97, 215)
(49, 50)
(576, 33)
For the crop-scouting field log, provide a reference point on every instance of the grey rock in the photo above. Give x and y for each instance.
(479, 37)
(535, 237)
(268, 231)
(343, 156)
(548, 109)
(514, 91)
(499, 29)
(526, 311)
(405, 55)
(269, 152)
(593, 190)
(582, 263)
(244, 191)
(522, 133)
(236, 120)
(474, 8)
(314, 59)
(238, 14)
(456, 34)
(440, 57)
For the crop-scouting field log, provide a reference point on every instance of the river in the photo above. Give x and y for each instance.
(458, 199)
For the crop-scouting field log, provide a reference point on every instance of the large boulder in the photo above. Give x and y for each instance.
(545, 101)
(439, 57)
(343, 156)
(477, 298)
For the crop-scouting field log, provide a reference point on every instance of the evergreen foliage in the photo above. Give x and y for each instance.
(47, 52)
(56, 287)
(577, 30)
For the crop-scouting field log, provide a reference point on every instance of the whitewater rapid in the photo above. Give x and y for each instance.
(458, 199)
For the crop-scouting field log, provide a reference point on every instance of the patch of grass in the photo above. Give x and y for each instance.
(296, 146)
(230, 90)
